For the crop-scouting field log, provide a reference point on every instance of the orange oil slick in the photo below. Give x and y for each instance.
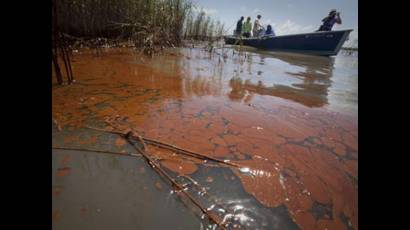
(298, 153)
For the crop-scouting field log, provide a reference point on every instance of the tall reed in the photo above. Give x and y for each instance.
(148, 23)
(200, 26)
(102, 18)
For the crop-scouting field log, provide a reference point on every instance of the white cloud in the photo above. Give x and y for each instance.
(208, 11)
(290, 27)
(269, 22)
(256, 11)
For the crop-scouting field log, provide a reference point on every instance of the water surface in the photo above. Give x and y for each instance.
(290, 120)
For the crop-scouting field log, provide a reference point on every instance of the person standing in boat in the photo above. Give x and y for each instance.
(257, 27)
(330, 20)
(247, 28)
(238, 30)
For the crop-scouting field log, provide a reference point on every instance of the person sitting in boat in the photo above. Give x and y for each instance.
(257, 27)
(247, 28)
(269, 31)
(238, 30)
(330, 20)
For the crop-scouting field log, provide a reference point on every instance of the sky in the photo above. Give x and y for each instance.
(286, 16)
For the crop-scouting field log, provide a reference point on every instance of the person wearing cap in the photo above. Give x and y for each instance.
(247, 28)
(330, 20)
(257, 27)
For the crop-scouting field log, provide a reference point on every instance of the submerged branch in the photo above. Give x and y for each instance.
(97, 151)
(158, 169)
(172, 148)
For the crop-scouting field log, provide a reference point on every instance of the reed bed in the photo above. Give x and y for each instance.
(147, 23)
(199, 26)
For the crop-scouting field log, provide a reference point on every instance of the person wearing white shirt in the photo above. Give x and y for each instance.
(257, 27)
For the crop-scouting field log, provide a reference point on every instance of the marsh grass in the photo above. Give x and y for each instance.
(200, 26)
(148, 23)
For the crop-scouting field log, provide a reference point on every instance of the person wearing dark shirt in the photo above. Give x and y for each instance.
(238, 30)
(269, 31)
(330, 20)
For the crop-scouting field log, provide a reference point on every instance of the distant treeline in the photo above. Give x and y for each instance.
(351, 45)
(350, 48)
(164, 22)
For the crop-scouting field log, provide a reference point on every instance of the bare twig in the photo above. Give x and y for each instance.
(98, 151)
(172, 148)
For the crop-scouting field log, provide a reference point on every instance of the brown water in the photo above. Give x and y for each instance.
(289, 120)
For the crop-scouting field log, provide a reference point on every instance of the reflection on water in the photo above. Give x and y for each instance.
(236, 207)
(329, 82)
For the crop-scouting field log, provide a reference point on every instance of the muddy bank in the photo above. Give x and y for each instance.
(292, 120)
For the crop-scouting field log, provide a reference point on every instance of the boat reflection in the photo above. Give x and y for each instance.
(299, 78)
(310, 79)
